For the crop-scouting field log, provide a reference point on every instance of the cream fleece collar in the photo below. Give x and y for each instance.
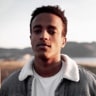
(71, 71)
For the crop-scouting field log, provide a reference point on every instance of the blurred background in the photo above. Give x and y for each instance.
(15, 48)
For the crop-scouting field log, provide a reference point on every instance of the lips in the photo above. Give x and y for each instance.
(43, 45)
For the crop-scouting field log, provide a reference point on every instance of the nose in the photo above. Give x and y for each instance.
(44, 35)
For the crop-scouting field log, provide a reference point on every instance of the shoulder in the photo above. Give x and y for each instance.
(10, 83)
(12, 86)
(12, 78)
(85, 73)
(88, 79)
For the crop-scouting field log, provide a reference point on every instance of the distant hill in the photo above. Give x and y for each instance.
(14, 53)
(73, 49)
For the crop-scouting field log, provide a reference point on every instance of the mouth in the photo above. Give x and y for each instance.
(43, 45)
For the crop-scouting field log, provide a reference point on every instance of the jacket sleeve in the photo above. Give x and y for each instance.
(3, 90)
(90, 81)
(11, 86)
(93, 84)
(8, 84)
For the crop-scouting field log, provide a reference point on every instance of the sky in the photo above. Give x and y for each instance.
(15, 18)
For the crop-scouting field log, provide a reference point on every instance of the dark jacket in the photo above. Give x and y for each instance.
(85, 87)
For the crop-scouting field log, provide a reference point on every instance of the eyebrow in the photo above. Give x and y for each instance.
(49, 26)
(37, 26)
(52, 27)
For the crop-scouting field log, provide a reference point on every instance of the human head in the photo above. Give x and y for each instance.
(54, 10)
(46, 32)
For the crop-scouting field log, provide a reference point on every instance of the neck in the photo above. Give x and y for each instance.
(47, 68)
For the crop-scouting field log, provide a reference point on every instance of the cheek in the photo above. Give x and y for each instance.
(57, 43)
(32, 39)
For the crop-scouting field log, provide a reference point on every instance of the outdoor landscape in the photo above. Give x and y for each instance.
(14, 59)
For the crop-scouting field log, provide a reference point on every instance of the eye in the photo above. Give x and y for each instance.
(37, 31)
(51, 31)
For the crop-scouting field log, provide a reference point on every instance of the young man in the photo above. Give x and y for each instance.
(49, 73)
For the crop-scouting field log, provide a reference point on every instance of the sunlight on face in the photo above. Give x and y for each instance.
(46, 38)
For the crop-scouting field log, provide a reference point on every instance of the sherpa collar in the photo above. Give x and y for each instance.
(71, 71)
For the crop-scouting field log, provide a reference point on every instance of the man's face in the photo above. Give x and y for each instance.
(46, 37)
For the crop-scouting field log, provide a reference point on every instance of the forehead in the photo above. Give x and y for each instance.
(47, 18)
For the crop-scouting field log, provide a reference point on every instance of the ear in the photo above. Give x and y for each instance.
(64, 41)
(30, 37)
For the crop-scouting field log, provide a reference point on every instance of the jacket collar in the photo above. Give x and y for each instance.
(71, 71)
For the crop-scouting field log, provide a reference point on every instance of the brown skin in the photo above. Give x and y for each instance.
(47, 41)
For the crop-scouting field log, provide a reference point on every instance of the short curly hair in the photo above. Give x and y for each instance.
(50, 9)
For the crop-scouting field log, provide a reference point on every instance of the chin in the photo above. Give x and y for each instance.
(43, 56)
